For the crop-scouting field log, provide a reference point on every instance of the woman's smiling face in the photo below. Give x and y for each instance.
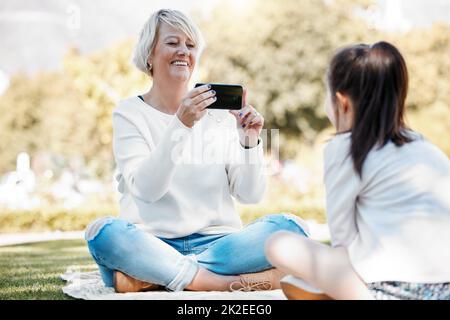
(174, 55)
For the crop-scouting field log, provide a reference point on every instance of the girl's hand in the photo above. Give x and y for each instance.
(193, 105)
(249, 123)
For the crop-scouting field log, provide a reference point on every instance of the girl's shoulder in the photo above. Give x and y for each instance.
(337, 148)
(419, 152)
(418, 145)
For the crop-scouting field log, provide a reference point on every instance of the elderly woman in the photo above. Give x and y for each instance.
(178, 227)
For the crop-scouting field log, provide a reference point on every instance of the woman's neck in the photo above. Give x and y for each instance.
(166, 98)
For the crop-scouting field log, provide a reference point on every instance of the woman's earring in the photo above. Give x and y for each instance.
(149, 66)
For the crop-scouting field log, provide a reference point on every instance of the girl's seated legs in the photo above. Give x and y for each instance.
(320, 265)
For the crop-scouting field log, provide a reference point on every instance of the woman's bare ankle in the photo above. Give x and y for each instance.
(206, 280)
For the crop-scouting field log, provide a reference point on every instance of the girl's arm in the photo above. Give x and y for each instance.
(342, 186)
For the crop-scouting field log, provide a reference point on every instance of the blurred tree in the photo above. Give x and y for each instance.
(426, 52)
(40, 114)
(278, 49)
(103, 79)
(69, 112)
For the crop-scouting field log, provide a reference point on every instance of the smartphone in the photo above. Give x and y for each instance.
(229, 96)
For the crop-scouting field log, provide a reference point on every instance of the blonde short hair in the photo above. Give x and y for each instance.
(148, 36)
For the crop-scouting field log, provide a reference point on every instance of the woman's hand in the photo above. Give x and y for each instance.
(193, 105)
(249, 123)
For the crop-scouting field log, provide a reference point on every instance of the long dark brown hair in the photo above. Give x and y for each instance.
(375, 78)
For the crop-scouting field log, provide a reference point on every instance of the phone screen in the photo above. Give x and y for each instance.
(229, 96)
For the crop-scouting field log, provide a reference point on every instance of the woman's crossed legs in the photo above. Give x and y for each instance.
(210, 265)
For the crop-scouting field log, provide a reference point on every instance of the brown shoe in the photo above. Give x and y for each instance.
(258, 281)
(124, 283)
(296, 289)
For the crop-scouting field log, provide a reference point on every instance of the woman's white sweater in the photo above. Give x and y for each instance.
(174, 180)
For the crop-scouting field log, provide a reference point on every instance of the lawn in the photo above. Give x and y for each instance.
(32, 271)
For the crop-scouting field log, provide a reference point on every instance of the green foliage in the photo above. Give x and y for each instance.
(68, 112)
(280, 199)
(433, 122)
(38, 114)
(426, 52)
(53, 219)
(278, 49)
(102, 80)
(428, 103)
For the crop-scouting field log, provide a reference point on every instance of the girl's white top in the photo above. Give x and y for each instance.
(395, 221)
(175, 181)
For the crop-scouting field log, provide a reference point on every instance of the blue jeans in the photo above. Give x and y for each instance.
(173, 263)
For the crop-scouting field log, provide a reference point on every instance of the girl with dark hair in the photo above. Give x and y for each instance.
(386, 189)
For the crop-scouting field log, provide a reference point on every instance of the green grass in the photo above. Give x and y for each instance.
(32, 271)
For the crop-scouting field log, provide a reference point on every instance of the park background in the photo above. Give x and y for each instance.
(64, 65)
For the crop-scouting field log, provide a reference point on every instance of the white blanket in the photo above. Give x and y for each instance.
(89, 286)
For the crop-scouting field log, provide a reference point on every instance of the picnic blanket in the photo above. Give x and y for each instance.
(89, 286)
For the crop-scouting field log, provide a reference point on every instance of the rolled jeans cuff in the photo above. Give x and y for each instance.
(188, 270)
